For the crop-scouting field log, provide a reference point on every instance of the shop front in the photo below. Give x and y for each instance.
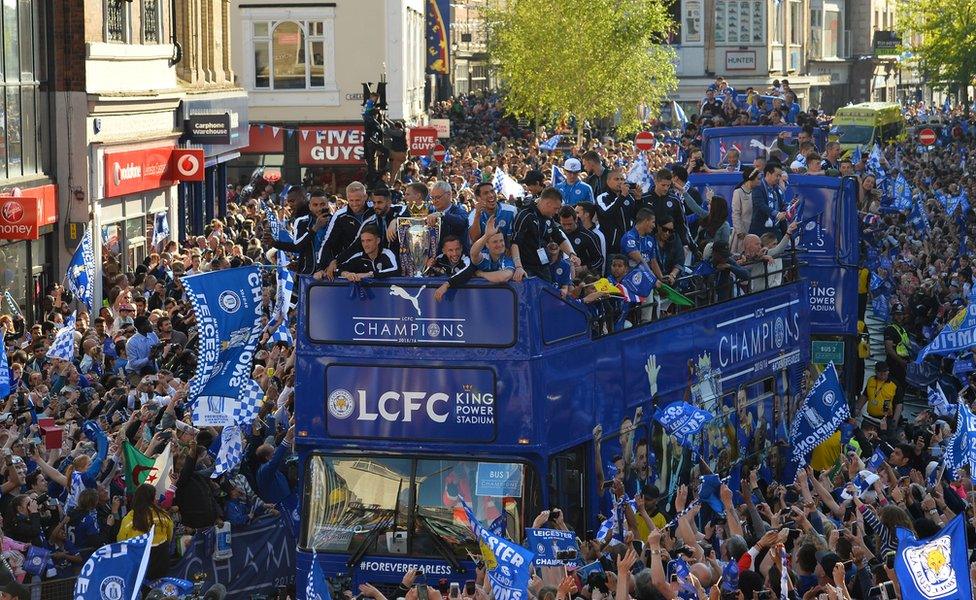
(328, 155)
(137, 184)
(218, 124)
(27, 248)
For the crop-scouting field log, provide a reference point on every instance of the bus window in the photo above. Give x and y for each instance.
(348, 497)
(891, 131)
(567, 489)
(494, 491)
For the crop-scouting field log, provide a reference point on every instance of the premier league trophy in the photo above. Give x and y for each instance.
(418, 243)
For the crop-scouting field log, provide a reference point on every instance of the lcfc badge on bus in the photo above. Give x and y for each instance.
(410, 403)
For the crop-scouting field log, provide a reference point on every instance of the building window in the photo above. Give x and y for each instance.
(150, 21)
(777, 23)
(831, 35)
(290, 55)
(739, 22)
(117, 21)
(20, 125)
(796, 22)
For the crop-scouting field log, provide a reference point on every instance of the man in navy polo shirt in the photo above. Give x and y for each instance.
(573, 190)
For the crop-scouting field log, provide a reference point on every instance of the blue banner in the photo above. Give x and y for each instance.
(682, 420)
(4, 374)
(115, 571)
(262, 558)
(820, 415)
(422, 403)
(936, 567)
(408, 315)
(958, 335)
(80, 277)
(508, 564)
(438, 36)
(229, 315)
(546, 543)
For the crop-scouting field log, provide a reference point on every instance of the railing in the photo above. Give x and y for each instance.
(702, 291)
(55, 589)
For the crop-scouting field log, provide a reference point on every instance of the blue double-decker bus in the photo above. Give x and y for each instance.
(405, 404)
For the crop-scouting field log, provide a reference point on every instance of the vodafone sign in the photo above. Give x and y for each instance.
(20, 217)
(188, 164)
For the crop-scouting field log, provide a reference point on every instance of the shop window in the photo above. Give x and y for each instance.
(20, 100)
(117, 21)
(150, 21)
(290, 54)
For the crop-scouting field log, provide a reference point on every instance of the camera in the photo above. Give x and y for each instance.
(554, 514)
(566, 555)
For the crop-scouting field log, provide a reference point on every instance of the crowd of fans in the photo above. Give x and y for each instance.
(127, 381)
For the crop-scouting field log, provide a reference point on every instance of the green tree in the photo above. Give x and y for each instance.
(942, 36)
(587, 58)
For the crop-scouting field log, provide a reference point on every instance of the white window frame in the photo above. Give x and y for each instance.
(327, 94)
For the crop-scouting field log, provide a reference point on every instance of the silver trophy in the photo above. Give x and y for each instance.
(418, 243)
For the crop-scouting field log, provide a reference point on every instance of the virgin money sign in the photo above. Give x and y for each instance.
(422, 140)
(19, 217)
(331, 145)
(132, 171)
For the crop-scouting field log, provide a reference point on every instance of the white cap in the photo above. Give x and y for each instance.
(572, 165)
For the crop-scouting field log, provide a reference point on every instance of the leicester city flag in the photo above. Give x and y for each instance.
(316, 587)
(80, 277)
(682, 420)
(637, 285)
(4, 374)
(115, 571)
(935, 568)
(509, 565)
(160, 229)
(227, 305)
(958, 335)
(820, 415)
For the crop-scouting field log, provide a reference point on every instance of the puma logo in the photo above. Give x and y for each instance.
(396, 290)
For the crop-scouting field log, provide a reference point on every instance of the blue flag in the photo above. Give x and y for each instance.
(958, 335)
(4, 374)
(550, 144)
(882, 308)
(509, 565)
(820, 415)
(63, 346)
(938, 401)
(160, 228)
(683, 421)
(709, 493)
(557, 176)
(231, 451)
(316, 587)
(115, 571)
(227, 305)
(679, 114)
(935, 568)
(546, 543)
(961, 445)
(902, 196)
(857, 155)
(876, 460)
(638, 284)
(80, 277)
(919, 220)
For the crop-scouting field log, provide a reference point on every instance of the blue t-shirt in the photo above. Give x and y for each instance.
(574, 193)
(561, 272)
(504, 219)
(85, 533)
(489, 266)
(634, 241)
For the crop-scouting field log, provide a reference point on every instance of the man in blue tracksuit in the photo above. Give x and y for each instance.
(573, 190)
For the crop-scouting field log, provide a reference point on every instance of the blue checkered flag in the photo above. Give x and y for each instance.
(80, 277)
(64, 342)
(231, 451)
(250, 403)
(160, 229)
(282, 334)
(14, 307)
(115, 570)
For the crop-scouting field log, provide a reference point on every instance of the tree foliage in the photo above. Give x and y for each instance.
(587, 58)
(942, 36)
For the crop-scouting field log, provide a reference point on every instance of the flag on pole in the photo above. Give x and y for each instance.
(638, 284)
(961, 446)
(679, 114)
(140, 469)
(231, 451)
(683, 421)
(557, 176)
(80, 277)
(956, 336)
(316, 587)
(936, 567)
(64, 342)
(115, 571)
(820, 415)
(160, 228)
(509, 565)
(550, 144)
